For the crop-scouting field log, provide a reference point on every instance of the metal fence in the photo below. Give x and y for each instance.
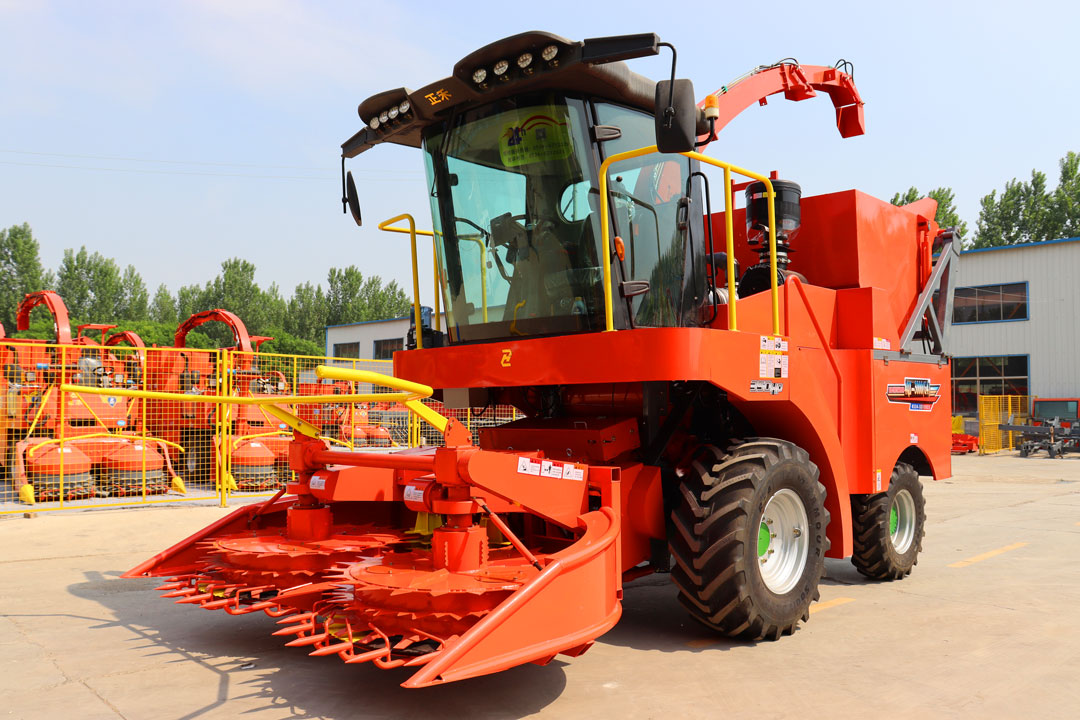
(63, 450)
(996, 409)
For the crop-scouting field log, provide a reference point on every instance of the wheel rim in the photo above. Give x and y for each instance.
(902, 521)
(783, 541)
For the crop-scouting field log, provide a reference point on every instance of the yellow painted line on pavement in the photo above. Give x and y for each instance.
(987, 555)
(835, 602)
(701, 642)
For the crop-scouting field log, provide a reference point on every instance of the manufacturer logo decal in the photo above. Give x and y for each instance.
(918, 394)
(506, 355)
(438, 96)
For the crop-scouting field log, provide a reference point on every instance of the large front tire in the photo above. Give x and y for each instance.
(888, 527)
(749, 539)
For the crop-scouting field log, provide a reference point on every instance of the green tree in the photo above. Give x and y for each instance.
(189, 300)
(306, 315)
(946, 212)
(1027, 212)
(163, 307)
(1066, 200)
(21, 271)
(350, 298)
(135, 299)
(91, 285)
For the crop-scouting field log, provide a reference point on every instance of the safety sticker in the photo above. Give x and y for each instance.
(528, 466)
(550, 469)
(882, 344)
(413, 494)
(772, 365)
(318, 482)
(773, 357)
(914, 439)
(572, 472)
(777, 344)
(877, 481)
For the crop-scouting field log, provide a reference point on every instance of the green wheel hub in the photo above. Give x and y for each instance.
(764, 538)
(894, 519)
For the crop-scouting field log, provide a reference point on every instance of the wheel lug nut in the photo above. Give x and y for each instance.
(796, 532)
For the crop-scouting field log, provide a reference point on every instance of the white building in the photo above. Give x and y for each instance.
(372, 340)
(1016, 329)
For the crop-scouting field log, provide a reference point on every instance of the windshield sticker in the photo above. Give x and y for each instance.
(918, 393)
(539, 138)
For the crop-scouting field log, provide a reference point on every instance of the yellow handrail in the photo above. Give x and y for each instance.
(605, 231)
(412, 232)
(417, 390)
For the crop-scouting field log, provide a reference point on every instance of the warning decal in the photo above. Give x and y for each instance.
(773, 358)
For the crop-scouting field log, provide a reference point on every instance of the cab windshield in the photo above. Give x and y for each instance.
(516, 219)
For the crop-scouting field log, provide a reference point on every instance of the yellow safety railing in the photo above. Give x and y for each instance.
(408, 394)
(186, 424)
(729, 207)
(412, 232)
(387, 225)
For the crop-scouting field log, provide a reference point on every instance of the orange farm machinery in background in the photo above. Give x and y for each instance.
(71, 446)
(257, 455)
(256, 458)
(744, 391)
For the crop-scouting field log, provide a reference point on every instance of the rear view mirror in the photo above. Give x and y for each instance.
(676, 116)
(352, 197)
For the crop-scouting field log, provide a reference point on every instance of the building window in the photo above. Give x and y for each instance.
(993, 375)
(991, 303)
(385, 349)
(347, 350)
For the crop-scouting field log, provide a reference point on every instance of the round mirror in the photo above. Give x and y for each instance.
(352, 197)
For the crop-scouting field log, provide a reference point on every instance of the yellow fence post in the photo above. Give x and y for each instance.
(63, 434)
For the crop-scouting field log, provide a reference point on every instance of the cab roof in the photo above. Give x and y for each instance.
(578, 66)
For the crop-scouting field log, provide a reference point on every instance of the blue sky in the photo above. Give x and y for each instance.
(174, 135)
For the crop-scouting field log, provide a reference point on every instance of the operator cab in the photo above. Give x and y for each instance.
(512, 145)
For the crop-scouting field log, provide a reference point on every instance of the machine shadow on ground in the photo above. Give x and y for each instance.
(653, 619)
(255, 672)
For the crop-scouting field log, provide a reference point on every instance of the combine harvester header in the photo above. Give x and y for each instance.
(689, 385)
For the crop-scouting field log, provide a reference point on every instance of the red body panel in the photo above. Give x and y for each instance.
(861, 260)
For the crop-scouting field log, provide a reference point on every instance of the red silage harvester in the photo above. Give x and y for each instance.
(747, 423)
(103, 452)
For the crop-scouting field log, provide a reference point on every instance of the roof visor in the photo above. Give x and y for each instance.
(525, 62)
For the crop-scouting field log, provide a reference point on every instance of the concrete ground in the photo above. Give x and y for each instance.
(986, 626)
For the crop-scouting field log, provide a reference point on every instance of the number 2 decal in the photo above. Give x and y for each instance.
(506, 357)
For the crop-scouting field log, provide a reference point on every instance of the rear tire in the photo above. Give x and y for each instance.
(888, 527)
(748, 537)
